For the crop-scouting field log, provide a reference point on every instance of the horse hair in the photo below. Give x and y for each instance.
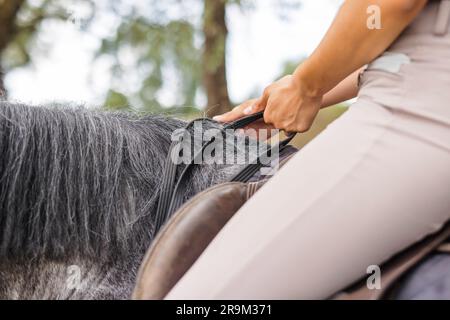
(79, 186)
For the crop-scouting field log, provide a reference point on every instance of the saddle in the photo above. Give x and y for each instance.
(187, 233)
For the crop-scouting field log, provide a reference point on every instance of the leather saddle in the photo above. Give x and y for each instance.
(190, 230)
(187, 233)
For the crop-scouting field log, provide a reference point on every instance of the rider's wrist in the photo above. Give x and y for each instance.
(305, 79)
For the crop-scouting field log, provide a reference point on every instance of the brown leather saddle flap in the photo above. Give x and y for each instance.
(186, 235)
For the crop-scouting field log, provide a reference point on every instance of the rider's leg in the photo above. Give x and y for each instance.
(373, 183)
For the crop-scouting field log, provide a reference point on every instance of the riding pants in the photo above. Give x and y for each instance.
(376, 181)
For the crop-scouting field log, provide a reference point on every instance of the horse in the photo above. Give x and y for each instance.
(78, 196)
(78, 190)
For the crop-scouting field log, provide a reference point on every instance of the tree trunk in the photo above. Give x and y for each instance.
(214, 57)
(8, 13)
(2, 86)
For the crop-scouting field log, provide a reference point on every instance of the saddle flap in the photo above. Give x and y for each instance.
(185, 236)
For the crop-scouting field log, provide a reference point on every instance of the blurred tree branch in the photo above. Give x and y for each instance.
(160, 52)
(8, 13)
(19, 23)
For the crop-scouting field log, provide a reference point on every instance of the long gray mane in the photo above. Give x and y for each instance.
(78, 190)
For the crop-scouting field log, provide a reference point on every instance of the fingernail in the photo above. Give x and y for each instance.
(217, 118)
(248, 110)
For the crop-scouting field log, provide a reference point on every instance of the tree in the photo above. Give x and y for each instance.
(8, 13)
(19, 23)
(214, 57)
(157, 45)
(175, 46)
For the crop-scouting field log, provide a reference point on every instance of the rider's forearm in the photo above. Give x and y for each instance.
(347, 89)
(350, 44)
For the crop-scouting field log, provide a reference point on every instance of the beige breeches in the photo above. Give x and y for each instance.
(374, 182)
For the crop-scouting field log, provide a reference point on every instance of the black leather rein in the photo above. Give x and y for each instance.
(171, 197)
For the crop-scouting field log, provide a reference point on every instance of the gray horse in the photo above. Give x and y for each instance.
(78, 192)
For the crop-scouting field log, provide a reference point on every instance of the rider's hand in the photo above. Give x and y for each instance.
(238, 112)
(288, 106)
(255, 129)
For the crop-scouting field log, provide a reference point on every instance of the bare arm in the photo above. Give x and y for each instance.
(349, 44)
(347, 89)
(292, 103)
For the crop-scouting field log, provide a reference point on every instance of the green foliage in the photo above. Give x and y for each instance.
(27, 25)
(116, 101)
(158, 45)
(323, 119)
(289, 67)
(163, 44)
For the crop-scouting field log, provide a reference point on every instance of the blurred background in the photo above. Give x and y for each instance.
(181, 57)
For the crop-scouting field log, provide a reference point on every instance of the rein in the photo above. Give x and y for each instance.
(171, 197)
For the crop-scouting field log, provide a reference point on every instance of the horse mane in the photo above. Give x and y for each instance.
(82, 182)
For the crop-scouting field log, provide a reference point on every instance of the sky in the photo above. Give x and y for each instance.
(260, 42)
